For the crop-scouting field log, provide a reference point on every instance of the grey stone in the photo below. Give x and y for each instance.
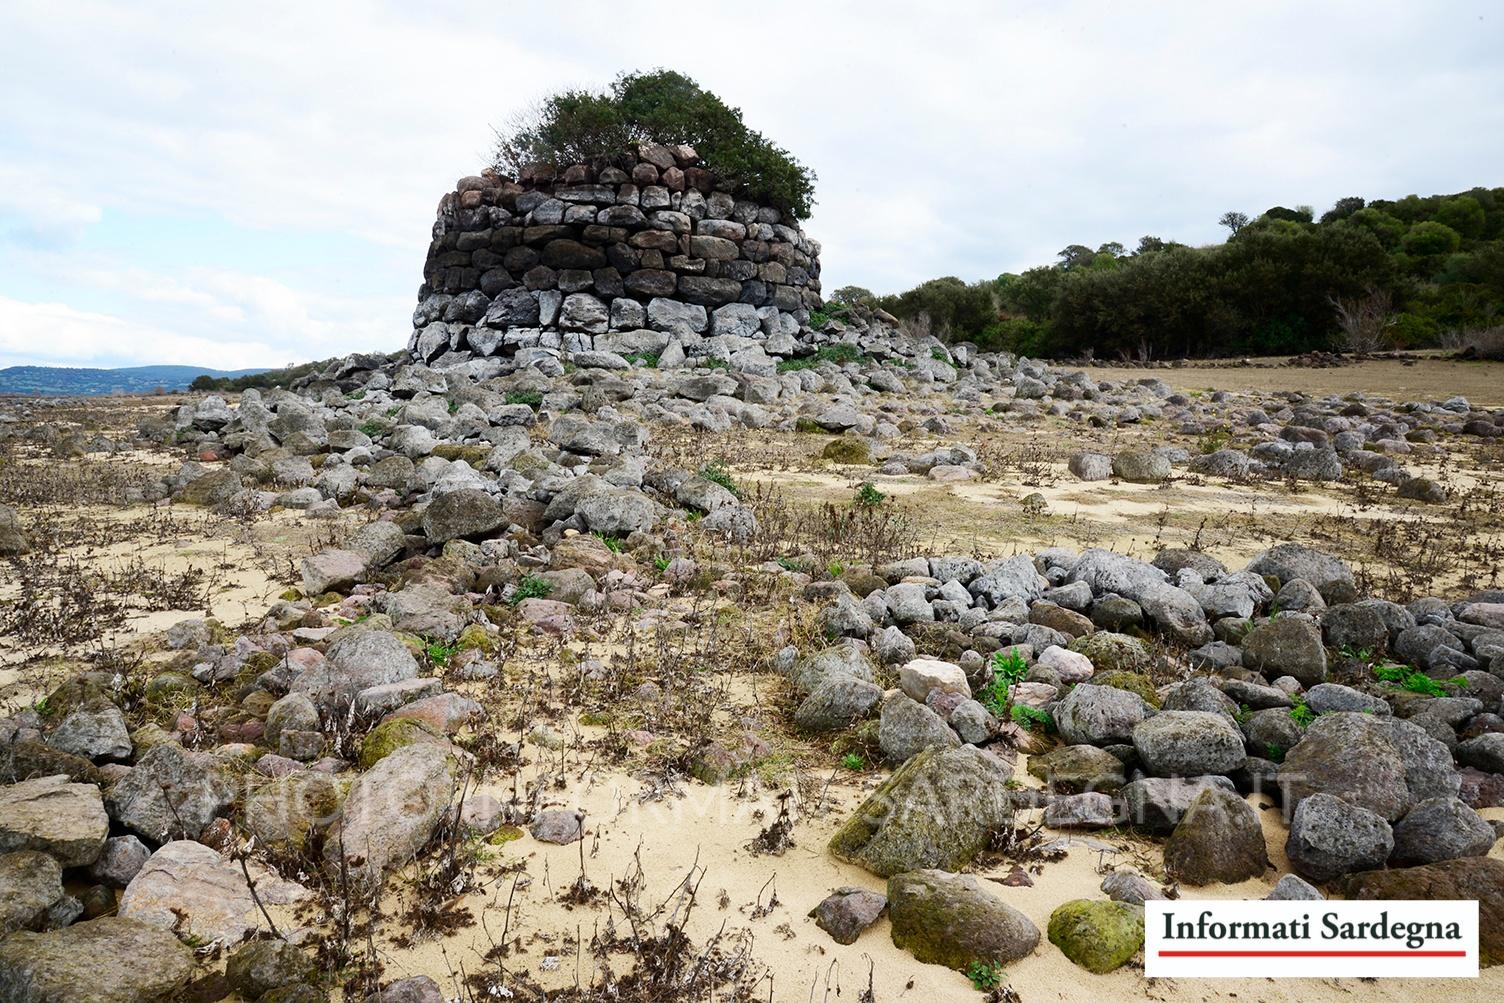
(1331, 575)
(119, 960)
(906, 727)
(846, 912)
(1330, 837)
(1219, 840)
(50, 814)
(1188, 743)
(31, 884)
(462, 514)
(391, 812)
(1141, 467)
(1294, 888)
(836, 703)
(1090, 810)
(939, 809)
(1286, 646)
(1099, 715)
(1440, 828)
(949, 919)
(356, 659)
(558, 826)
(95, 733)
(1158, 803)
(1130, 887)
(119, 861)
(1350, 756)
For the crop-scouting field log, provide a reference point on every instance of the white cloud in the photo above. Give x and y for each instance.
(966, 138)
(66, 336)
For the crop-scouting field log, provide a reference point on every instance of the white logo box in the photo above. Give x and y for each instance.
(1370, 939)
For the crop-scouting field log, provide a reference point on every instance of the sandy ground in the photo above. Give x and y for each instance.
(1421, 376)
(628, 822)
(711, 827)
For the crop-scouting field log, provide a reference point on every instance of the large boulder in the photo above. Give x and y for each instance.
(1011, 578)
(391, 812)
(836, 704)
(288, 812)
(1099, 715)
(1441, 828)
(50, 814)
(949, 919)
(1189, 743)
(1105, 571)
(1350, 756)
(1219, 840)
(31, 883)
(1480, 879)
(1157, 804)
(1330, 837)
(1331, 575)
(905, 727)
(1141, 467)
(1098, 936)
(1286, 646)
(171, 793)
(837, 661)
(189, 888)
(96, 733)
(939, 809)
(357, 658)
(119, 960)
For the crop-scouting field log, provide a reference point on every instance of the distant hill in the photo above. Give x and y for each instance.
(60, 381)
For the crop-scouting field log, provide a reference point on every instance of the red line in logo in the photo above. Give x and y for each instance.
(1312, 954)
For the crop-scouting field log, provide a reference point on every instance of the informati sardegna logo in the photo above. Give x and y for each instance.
(1296, 939)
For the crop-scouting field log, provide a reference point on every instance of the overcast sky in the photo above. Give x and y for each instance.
(236, 185)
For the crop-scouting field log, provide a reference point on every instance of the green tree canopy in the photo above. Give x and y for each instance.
(662, 106)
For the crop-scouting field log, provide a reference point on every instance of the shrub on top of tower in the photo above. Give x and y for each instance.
(580, 126)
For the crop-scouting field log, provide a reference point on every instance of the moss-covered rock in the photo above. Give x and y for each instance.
(171, 689)
(1133, 682)
(260, 966)
(938, 810)
(1075, 769)
(847, 449)
(290, 812)
(1219, 840)
(1111, 652)
(1100, 936)
(479, 638)
(471, 454)
(949, 919)
(392, 734)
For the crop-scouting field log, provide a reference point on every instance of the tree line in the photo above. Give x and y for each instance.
(1408, 273)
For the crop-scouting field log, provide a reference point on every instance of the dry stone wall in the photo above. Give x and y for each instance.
(589, 257)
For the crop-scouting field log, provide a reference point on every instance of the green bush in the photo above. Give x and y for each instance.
(578, 126)
(716, 473)
(1429, 238)
(531, 587)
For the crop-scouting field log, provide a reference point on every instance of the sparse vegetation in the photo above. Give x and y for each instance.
(867, 496)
